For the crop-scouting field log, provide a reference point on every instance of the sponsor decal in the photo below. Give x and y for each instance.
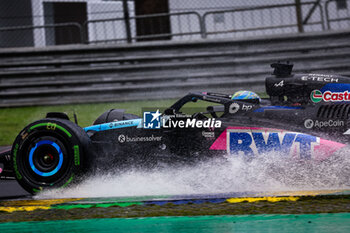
(347, 132)
(320, 78)
(309, 123)
(208, 134)
(212, 99)
(234, 107)
(151, 120)
(218, 95)
(280, 84)
(316, 96)
(121, 138)
(257, 142)
(247, 107)
(251, 141)
(118, 124)
(329, 96)
(115, 125)
(125, 138)
(275, 108)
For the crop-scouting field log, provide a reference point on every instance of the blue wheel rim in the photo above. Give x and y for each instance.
(60, 162)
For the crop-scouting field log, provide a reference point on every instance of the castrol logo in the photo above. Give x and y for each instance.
(329, 96)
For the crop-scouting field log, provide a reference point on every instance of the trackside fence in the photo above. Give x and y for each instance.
(188, 27)
(153, 70)
(341, 18)
(264, 20)
(48, 34)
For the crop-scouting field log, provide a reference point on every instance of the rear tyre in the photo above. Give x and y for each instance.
(50, 153)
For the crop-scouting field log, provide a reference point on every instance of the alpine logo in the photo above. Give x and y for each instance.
(329, 96)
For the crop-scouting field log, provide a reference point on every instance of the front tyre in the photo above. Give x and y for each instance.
(50, 153)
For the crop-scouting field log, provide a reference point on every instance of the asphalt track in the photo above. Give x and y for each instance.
(11, 189)
(25, 208)
(301, 211)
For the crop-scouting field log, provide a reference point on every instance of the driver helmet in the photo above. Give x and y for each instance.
(245, 95)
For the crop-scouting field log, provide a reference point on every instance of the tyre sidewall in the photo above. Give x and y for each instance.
(73, 143)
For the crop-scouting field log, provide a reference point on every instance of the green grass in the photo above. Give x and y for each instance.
(13, 120)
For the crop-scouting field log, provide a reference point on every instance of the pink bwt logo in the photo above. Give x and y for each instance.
(249, 141)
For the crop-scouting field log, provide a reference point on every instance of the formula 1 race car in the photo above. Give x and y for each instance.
(306, 117)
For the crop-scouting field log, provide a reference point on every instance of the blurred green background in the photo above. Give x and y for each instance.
(13, 120)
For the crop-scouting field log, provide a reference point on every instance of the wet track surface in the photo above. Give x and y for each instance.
(20, 207)
(73, 209)
(11, 189)
(88, 207)
(293, 211)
